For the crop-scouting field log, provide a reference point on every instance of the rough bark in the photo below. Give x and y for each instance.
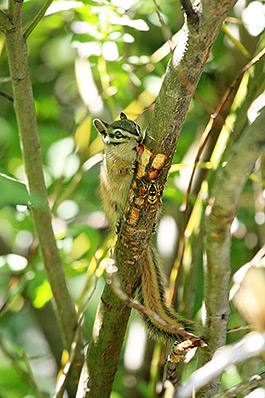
(180, 81)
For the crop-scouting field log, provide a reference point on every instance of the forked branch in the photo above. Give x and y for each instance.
(188, 60)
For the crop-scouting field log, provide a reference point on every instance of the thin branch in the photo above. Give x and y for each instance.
(178, 354)
(61, 382)
(38, 17)
(236, 42)
(114, 281)
(6, 96)
(243, 388)
(31, 375)
(250, 346)
(165, 29)
(239, 328)
(15, 360)
(215, 118)
(186, 4)
(5, 79)
(216, 121)
(6, 177)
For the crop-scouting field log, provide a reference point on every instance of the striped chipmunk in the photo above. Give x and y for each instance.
(122, 139)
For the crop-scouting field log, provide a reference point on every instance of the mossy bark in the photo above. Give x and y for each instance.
(180, 81)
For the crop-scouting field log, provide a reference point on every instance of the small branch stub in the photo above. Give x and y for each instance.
(178, 354)
(191, 14)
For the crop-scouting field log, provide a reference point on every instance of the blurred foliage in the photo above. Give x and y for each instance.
(93, 59)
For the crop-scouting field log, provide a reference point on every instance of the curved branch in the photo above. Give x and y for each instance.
(251, 345)
(181, 79)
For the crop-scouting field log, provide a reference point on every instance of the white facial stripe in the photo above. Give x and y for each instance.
(126, 135)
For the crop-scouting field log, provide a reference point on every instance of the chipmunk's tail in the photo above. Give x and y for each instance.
(152, 296)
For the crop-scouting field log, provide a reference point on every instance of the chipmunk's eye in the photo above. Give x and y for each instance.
(118, 134)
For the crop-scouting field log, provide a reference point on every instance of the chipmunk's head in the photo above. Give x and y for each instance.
(123, 131)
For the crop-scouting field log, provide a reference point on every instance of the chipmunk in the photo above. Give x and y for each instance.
(121, 140)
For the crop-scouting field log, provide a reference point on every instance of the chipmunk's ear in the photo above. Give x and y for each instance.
(102, 128)
(123, 116)
(100, 125)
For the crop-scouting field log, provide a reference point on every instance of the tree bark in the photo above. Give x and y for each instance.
(226, 191)
(27, 125)
(180, 81)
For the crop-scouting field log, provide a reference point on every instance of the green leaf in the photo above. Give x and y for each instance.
(12, 191)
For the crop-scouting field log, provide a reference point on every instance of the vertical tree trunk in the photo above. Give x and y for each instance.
(180, 81)
(27, 125)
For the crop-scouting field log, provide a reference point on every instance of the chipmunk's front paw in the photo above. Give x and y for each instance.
(117, 227)
(134, 166)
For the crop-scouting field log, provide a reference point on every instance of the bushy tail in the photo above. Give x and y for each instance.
(152, 296)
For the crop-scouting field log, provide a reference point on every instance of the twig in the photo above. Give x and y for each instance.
(192, 89)
(214, 119)
(191, 14)
(60, 386)
(5, 79)
(165, 29)
(239, 328)
(6, 96)
(114, 281)
(13, 179)
(62, 380)
(81, 313)
(88, 299)
(243, 388)
(251, 345)
(178, 354)
(31, 375)
(28, 377)
(38, 17)
(236, 42)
